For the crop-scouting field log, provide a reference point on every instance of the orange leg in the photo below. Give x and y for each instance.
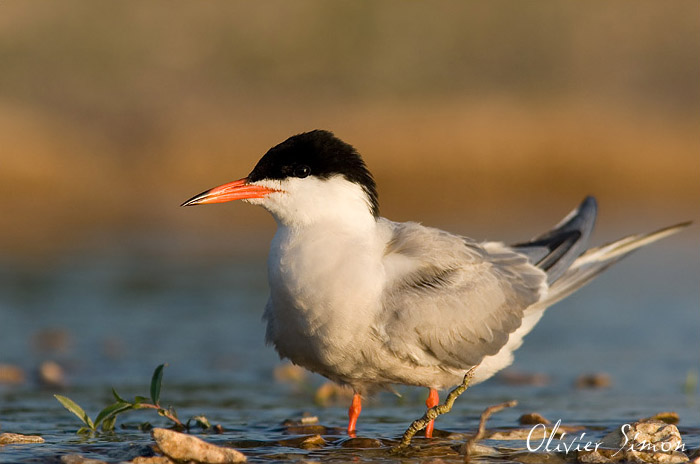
(433, 400)
(354, 413)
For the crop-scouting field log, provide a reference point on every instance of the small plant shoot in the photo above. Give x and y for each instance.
(106, 418)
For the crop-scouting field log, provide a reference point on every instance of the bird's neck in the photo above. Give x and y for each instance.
(317, 204)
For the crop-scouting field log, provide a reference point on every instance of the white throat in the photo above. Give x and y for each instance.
(312, 201)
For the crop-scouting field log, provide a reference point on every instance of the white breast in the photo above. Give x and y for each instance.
(325, 287)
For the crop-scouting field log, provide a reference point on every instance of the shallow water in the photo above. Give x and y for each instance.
(111, 317)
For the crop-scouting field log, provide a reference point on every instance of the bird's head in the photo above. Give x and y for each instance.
(307, 178)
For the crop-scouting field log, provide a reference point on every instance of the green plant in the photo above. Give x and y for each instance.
(106, 418)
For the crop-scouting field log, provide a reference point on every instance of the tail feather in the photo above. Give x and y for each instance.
(596, 260)
(556, 250)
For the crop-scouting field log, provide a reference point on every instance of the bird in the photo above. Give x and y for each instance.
(370, 303)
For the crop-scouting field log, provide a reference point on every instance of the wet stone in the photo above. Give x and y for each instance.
(183, 447)
(669, 417)
(11, 375)
(51, 374)
(479, 449)
(523, 378)
(537, 458)
(153, 460)
(53, 340)
(17, 438)
(78, 459)
(330, 392)
(650, 441)
(307, 430)
(361, 442)
(532, 419)
(312, 442)
(534, 433)
(289, 373)
(304, 420)
(592, 381)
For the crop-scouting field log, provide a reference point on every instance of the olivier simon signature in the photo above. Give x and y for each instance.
(579, 442)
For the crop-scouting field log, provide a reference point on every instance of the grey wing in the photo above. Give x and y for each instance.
(451, 301)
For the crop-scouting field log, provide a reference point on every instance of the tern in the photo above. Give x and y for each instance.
(370, 303)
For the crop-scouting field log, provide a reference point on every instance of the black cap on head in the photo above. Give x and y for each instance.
(317, 153)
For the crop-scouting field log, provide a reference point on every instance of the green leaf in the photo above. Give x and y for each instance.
(108, 423)
(202, 421)
(111, 411)
(73, 407)
(117, 397)
(84, 431)
(155, 383)
(140, 399)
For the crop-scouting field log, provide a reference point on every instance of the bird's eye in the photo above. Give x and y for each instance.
(302, 171)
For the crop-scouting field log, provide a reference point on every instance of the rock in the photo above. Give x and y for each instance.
(53, 340)
(312, 442)
(534, 433)
(595, 380)
(537, 458)
(511, 377)
(307, 425)
(306, 430)
(78, 459)
(183, 447)
(289, 373)
(16, 438)
(479, 449)
(329, 392)
(361, 442)
(532, 419)
(11, 375)
(669, 417)
(152, 460)
(51, 375)
(305, 420)
(650, 441)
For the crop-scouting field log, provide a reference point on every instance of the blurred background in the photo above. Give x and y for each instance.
(490, 119)
(113, 113)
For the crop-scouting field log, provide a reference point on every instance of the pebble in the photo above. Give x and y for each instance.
(289, 373)
(533, 419)
(510, 377)
(152, 460)
(595, 380)
(537, 458)
(51, 375)
(361, 442)
(11, 375)
(309, 442)
(329, 392)
(669, 417)
(16, 438)
(664, 439)
(53, 340)
(182, 447)
(536, 433)
(306, 430)
(78, 459)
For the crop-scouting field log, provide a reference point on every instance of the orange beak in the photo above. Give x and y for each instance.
(236, 190)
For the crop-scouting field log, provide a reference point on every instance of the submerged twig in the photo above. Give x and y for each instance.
(433, 412)
(468, 447)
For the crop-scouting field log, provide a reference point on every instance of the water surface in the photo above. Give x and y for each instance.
(113, 315)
